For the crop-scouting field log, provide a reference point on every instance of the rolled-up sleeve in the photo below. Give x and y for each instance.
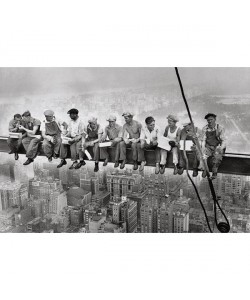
(143, 134)
(222, 136)
(12, 127)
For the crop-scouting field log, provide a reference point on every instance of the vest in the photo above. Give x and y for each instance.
(92, 134)
(51, 128)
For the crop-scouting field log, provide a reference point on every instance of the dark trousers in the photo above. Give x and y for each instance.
(182, 161)
(104, 151)
(74, 151)
(216, 155)
(31, 146)
(123, 150)
(141, 147)
(95, 149)
(14, 144)
(50, 148)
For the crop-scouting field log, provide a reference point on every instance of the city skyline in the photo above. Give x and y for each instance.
(47, 199)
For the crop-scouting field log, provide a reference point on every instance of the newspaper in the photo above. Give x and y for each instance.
(163, 143)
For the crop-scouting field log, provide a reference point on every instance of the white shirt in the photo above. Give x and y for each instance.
(76, 127)
(172, 136)
(149, 136)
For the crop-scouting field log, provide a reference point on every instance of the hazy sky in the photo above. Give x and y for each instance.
(18, 82)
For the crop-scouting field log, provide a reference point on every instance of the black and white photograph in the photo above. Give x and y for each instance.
(124, 149)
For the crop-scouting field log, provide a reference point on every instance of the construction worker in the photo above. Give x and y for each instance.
(213, 145)
(51, 133)
(149, 140)
(14, 127)
(90, 141)
(187, 134)
(131, 136)
(33, 138)
(75, 132)
(114, 133)
(172, 132)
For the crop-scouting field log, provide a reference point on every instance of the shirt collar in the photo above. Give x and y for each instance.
(211, 129)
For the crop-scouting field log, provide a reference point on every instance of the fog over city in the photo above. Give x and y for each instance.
(145, 91)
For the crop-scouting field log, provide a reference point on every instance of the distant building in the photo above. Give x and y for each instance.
(77, 196)
(95, 223)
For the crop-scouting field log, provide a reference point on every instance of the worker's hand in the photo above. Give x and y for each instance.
(127, 141)
(193, 148)
(116, 139)
(49, 138)
(21, 127)
(71, 142)
(172, 143)
(219, 149)
(205, 156)
(133, 141)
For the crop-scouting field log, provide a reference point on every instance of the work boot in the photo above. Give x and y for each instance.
(116, 164)
(195, 172)
(157, 168)
(73, 165)
(50, 159)
(143, 163)
(135, 165)
(62, 163)
(122, 166)
(96, 169)
(80, 164)
(55, 155)
(105, 162)
(28, 161)
(204, 174)
(162, 169)
(11, 152)
(16, 156)
(175, 170)
(214, 175)
(180, 170)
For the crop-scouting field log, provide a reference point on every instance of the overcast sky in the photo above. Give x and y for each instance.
(18, 82)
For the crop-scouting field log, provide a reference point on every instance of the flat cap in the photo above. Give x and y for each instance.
(173, 118)
(127, 114)
(26, 113)
(92, 119)
(73, 111)
(186, 124)
(111, 118)
(49, 113)
(210, 115)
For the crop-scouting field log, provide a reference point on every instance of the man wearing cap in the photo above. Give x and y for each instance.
(213, 143)
(172, 132)
(14, 126)
(75, 132)
(149, 140)
(187, 134)
(131, 136)
(51, 132)
(114, 133)
(31, 142)
(90, 141)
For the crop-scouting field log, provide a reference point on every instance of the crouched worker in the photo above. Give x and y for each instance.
(114, 133)
(187, 134)
(14, 127)
(32, 140)
(213, 143)
(74, 132)
(51, 132)
(149, 141)
(91, 138)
